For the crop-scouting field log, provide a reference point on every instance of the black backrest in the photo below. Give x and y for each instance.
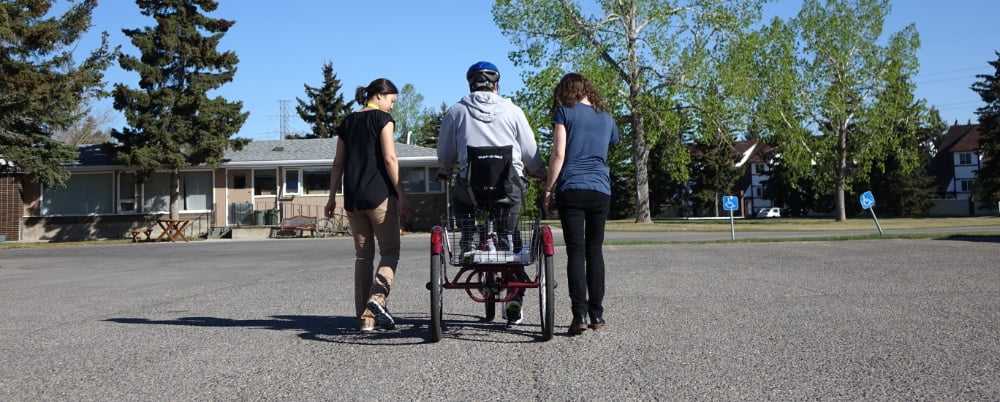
(490, 174)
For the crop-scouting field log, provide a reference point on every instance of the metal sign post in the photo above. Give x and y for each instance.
(730, 203)
(868, 202)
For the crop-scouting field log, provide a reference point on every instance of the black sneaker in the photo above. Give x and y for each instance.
(513, 313)
(382, 315)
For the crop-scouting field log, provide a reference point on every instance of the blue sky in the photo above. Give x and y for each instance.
(430, 44)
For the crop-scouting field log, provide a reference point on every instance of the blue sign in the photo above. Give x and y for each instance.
(867, 200)
(730, 203)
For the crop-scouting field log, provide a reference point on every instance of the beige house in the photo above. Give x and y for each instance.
(290, 177)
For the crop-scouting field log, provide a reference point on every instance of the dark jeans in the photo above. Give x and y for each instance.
(505, 218)
(583, 214)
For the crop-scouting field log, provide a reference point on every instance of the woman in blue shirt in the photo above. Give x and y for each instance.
(579, 182)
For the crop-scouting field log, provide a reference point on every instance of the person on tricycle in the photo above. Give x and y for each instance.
(488, 140)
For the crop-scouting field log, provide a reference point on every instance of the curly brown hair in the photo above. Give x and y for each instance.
(572, 88)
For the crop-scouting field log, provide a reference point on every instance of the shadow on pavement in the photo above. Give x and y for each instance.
(411, 329)
(338, 329)
(973, 238)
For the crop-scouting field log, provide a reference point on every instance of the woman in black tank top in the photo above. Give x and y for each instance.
(367, 166)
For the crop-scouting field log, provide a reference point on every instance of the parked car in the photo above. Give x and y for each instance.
(769, 213)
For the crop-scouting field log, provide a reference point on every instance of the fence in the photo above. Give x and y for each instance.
(242, 213)
(289, 209)
(199, 226)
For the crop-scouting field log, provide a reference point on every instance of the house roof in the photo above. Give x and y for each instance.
(310, 150)
(93, 155)
(314, 150)
(961, 138)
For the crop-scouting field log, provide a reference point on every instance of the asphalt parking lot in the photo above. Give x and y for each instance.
(887, 319)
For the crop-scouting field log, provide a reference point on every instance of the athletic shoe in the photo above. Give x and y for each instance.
(382, 315)
(513, 313)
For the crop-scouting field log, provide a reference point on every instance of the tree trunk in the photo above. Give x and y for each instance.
(640, 152)
(175, 191)
(842, 176)
(640, 157)
(716, 197)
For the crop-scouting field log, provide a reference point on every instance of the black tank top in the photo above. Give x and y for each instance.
(366, 180)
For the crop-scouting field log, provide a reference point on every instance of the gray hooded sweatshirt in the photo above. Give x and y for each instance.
(485, 119)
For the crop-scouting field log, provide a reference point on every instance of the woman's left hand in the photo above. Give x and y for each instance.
(549, 200)
(404, 207)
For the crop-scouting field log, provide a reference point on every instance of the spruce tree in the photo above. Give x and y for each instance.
(41, 88)
(324, 107)
(172, 122)
(987, 185)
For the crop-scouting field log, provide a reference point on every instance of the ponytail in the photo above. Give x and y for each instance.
(361, 96)
(380, 86)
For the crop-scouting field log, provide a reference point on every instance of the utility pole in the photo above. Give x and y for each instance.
(283, 130)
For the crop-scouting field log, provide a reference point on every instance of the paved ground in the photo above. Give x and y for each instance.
(891, 319)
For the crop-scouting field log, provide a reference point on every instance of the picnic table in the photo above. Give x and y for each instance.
(173, 229)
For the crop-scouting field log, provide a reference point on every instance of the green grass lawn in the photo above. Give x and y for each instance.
(797, 224)
(980, 237)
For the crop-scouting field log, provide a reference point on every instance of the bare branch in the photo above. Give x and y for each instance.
(592, 38)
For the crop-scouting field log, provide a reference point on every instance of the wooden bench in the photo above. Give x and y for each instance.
(147, 230)
(297, 224)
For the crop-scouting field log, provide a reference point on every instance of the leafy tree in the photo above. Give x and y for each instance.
(324, 106)
(41, 88)
(172, 122)
(721, 112)
(987, 185)
(427, 132)
(639, 52)
(408, 112)
(853, 90)
(798, 194)
(908, 192)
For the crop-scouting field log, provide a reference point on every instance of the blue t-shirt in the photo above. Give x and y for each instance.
(589, 133)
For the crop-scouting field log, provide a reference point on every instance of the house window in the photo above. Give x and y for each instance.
(127, 193)
(414, 180)
(965, 186)
(156, 193)
(239, 181)
(316, 181)
(758, 192)
(264, 182)
(759, 168)
(83, 194)
(197, 189)
(292, 181)
(964, 158)
(433, 184)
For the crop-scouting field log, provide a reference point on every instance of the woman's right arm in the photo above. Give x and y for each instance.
(555, 161)
(336, 175)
